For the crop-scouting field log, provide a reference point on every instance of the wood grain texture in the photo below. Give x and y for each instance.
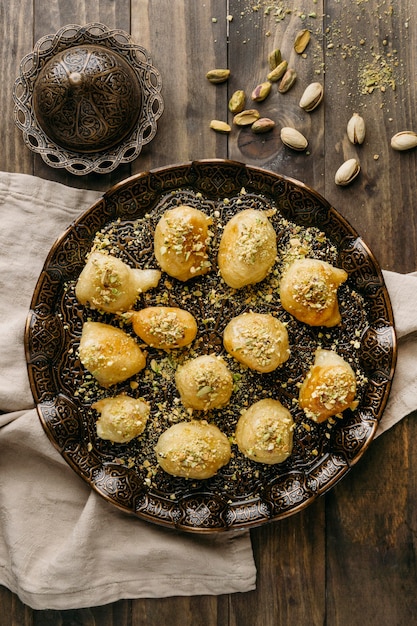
(349, 558)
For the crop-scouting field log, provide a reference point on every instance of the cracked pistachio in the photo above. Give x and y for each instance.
(312, 96)
(218, 75)
(347, 172)
(404, 140)
(261, 91)
(246, 117)
(292, 138)
(356, 129)
(237, 101)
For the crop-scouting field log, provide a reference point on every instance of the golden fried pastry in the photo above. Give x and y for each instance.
(108, 284)
(258, 340)
(122, 418)
(308, 291)
(163, 327)
(204, 383)
(248, 248)
(181, 242)
(264, 432)
(109, 354)
(329, 387)
(193, 449)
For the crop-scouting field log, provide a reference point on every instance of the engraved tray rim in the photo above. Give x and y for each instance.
(202, 511)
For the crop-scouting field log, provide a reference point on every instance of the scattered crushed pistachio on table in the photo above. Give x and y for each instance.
(377, 72)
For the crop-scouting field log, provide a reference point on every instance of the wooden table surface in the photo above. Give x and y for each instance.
(350, 558)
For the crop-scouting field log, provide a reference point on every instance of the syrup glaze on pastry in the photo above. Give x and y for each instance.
(308, 290)
(258, 340)
(109, 354)
(194, 449)
(122, 418)
(108, 284)
(264, 432)
(247, 249)
(204, 383)
(329, 387)
(165, 328)
(181, 242)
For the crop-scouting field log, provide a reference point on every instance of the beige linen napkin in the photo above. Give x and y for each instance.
(62, 546)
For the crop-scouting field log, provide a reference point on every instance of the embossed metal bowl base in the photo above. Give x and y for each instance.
(243, 493)
(87, 99)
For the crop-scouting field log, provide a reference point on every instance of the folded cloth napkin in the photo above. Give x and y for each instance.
(61, 545)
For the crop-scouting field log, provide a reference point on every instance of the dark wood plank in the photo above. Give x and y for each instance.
(373, 41)
(15, 42)
(185, 44)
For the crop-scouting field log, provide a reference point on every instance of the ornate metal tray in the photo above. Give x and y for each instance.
(243, 493)
(87, 98)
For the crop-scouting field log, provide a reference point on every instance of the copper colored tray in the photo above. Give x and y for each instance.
(242, 494)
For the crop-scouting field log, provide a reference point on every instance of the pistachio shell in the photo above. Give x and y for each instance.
(356, 129)
(312, 96)
(404, 140)
(302, 40)
(218, 75)
(292, 138)
(347, 172)
(246, 117)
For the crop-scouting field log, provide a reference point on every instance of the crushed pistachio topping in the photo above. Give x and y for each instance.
(335, 392)
(314, 292)
(166, 328)
(252, 242)
(109, 283)
(185, 240)
(198, 456)
(272, 435)
(259, 344)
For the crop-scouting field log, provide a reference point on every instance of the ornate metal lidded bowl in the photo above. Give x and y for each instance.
(87, 99)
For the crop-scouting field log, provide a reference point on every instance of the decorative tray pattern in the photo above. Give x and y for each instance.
(243, 493)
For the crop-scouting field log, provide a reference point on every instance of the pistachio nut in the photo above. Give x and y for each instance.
(218, 75)
(261, 91)
(237, 101)
(263, 125)
(404, 140)
(278, 72)
(287, 81)
(274, 58)
(246, 117)
(292, 138)
(347, 172)
(312, 96)
(356, 129)
(302, 40)
(220, 127)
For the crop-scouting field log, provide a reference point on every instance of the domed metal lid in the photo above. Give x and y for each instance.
(87, 98)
